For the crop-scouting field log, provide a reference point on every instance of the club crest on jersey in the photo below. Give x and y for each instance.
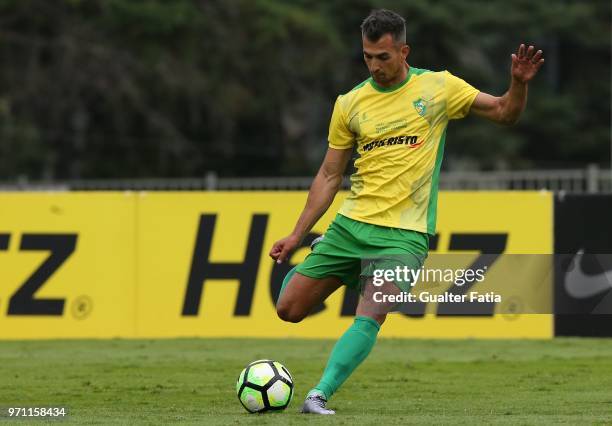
(421, 106)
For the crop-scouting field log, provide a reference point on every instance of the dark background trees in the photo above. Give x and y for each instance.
(126, 88)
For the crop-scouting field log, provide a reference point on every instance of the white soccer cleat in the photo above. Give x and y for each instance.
(315, 404)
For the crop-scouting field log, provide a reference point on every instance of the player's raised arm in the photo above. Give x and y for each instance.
(507, 109)
(322, 192)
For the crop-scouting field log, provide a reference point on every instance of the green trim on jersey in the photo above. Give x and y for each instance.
(391, 88)
(360, 85)
(411, 71)
(418, 71)
(432, 206)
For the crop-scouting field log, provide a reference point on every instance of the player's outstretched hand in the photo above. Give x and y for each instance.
(525, 63)
(282, 248)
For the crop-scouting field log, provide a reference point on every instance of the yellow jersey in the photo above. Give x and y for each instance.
(399, 132)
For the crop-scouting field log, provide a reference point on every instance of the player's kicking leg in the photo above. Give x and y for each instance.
(300, 294)
(339, 254)
(298, 297)
(351, 349)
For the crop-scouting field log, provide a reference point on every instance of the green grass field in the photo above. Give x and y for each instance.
(191, 381)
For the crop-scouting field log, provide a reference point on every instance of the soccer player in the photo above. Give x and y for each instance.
(397, 119)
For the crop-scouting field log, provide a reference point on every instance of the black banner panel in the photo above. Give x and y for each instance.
(583, 279)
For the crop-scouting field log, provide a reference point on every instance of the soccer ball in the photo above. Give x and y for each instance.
(264, 385)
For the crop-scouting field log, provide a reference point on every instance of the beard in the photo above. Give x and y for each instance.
(385, 77)
(379, 77)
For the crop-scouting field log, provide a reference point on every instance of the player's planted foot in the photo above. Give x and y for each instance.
(315, 404)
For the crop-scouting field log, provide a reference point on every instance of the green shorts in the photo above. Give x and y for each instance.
(351, 250)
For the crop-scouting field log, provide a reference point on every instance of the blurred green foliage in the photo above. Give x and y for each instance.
(142, 88)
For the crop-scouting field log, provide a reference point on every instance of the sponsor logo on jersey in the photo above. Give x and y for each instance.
(410, 141)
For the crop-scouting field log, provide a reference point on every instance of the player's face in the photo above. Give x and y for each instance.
(385, 59)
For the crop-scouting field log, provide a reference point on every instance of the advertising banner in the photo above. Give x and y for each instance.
(583, 282)
(67, 265)
(168, 264)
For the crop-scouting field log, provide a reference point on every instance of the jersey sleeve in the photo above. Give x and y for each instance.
(459, 96)
(340, 137)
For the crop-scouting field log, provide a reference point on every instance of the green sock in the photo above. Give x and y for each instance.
(286, 280)
(350, 351)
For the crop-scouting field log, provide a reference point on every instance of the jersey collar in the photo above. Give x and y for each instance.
(394, 87)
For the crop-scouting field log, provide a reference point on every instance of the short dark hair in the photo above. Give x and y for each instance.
(382, 21)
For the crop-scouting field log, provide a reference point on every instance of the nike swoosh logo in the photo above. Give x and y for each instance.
(582, 286)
